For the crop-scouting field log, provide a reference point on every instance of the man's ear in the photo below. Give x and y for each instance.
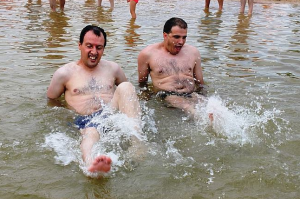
(165, 35)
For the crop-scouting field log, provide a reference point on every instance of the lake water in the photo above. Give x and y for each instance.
(251, 66)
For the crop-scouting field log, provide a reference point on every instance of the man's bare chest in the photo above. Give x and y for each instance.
(91, 85)
(172, 65)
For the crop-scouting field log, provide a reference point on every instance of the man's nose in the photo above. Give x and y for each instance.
(94, 50)
(180, 40)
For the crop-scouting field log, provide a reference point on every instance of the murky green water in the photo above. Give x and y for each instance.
(251, 66)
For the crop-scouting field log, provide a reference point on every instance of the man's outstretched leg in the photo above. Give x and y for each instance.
(101, 163)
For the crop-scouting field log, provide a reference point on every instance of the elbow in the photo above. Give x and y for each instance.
(51, 95)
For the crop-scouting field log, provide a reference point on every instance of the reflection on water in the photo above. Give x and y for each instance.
(250, 65)
(56, 26)
(131, 37)
(241, 35)
(93, 13)
(209, 29)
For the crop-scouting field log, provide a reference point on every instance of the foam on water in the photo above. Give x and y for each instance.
(66, 148)
(115, 130)
(231, 123)
(239, 124)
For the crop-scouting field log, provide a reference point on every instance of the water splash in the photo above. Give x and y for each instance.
(66, 148)
(116, 131)
(238, 124)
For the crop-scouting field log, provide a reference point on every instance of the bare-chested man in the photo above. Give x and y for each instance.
(88, 83)
(174, 67)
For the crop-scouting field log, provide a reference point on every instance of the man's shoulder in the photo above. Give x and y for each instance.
(151, 49)
(70, 64)
(66, 69)
(104, 62)
(191, 48)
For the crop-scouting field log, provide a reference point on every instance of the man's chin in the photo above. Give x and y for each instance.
(92, 64)
(175, 52)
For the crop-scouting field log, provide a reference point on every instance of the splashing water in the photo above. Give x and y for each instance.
(115, 131)
(66, 148)
(238, 124)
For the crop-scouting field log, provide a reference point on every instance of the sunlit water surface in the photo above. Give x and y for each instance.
(251, 67)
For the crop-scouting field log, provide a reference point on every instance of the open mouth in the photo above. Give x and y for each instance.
(93, 57)
(178, 48)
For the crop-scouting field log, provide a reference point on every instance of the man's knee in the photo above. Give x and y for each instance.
(125, 87)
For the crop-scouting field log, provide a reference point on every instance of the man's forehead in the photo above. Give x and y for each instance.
(177, 29)
(91, 36)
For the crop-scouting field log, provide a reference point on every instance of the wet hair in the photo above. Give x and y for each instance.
(174, 21)
(96, 30)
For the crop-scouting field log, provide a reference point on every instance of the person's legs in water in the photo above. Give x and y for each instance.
(220, 4)
(53, 4)
(207, 3)
(62, 4)
(101, 163)
(206, 8)
(132, 6)
(250, 5)
(187, 104)
(126, 101)
(112, 3)
(243, 5)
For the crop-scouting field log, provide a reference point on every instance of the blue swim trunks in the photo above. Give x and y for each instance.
(85, 121)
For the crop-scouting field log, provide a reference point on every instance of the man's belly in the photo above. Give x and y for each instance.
(86, 105)
(175, 84)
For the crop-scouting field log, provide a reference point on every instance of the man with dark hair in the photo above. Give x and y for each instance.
(174, 67)
(87, 85)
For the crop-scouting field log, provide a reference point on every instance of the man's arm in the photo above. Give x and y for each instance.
(57, 84)
(120, 75)
(143, 68)
(198, 75)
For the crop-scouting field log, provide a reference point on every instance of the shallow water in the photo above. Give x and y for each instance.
(251, 67)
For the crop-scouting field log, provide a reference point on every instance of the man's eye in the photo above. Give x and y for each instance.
(99, 48)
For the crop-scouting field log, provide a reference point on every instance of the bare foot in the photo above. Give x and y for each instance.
(101, 163)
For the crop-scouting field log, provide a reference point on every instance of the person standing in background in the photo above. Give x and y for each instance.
(250, 5)
(62, 4)
(132, 6)
(112, 3)
(207, 2)
(53, 4)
